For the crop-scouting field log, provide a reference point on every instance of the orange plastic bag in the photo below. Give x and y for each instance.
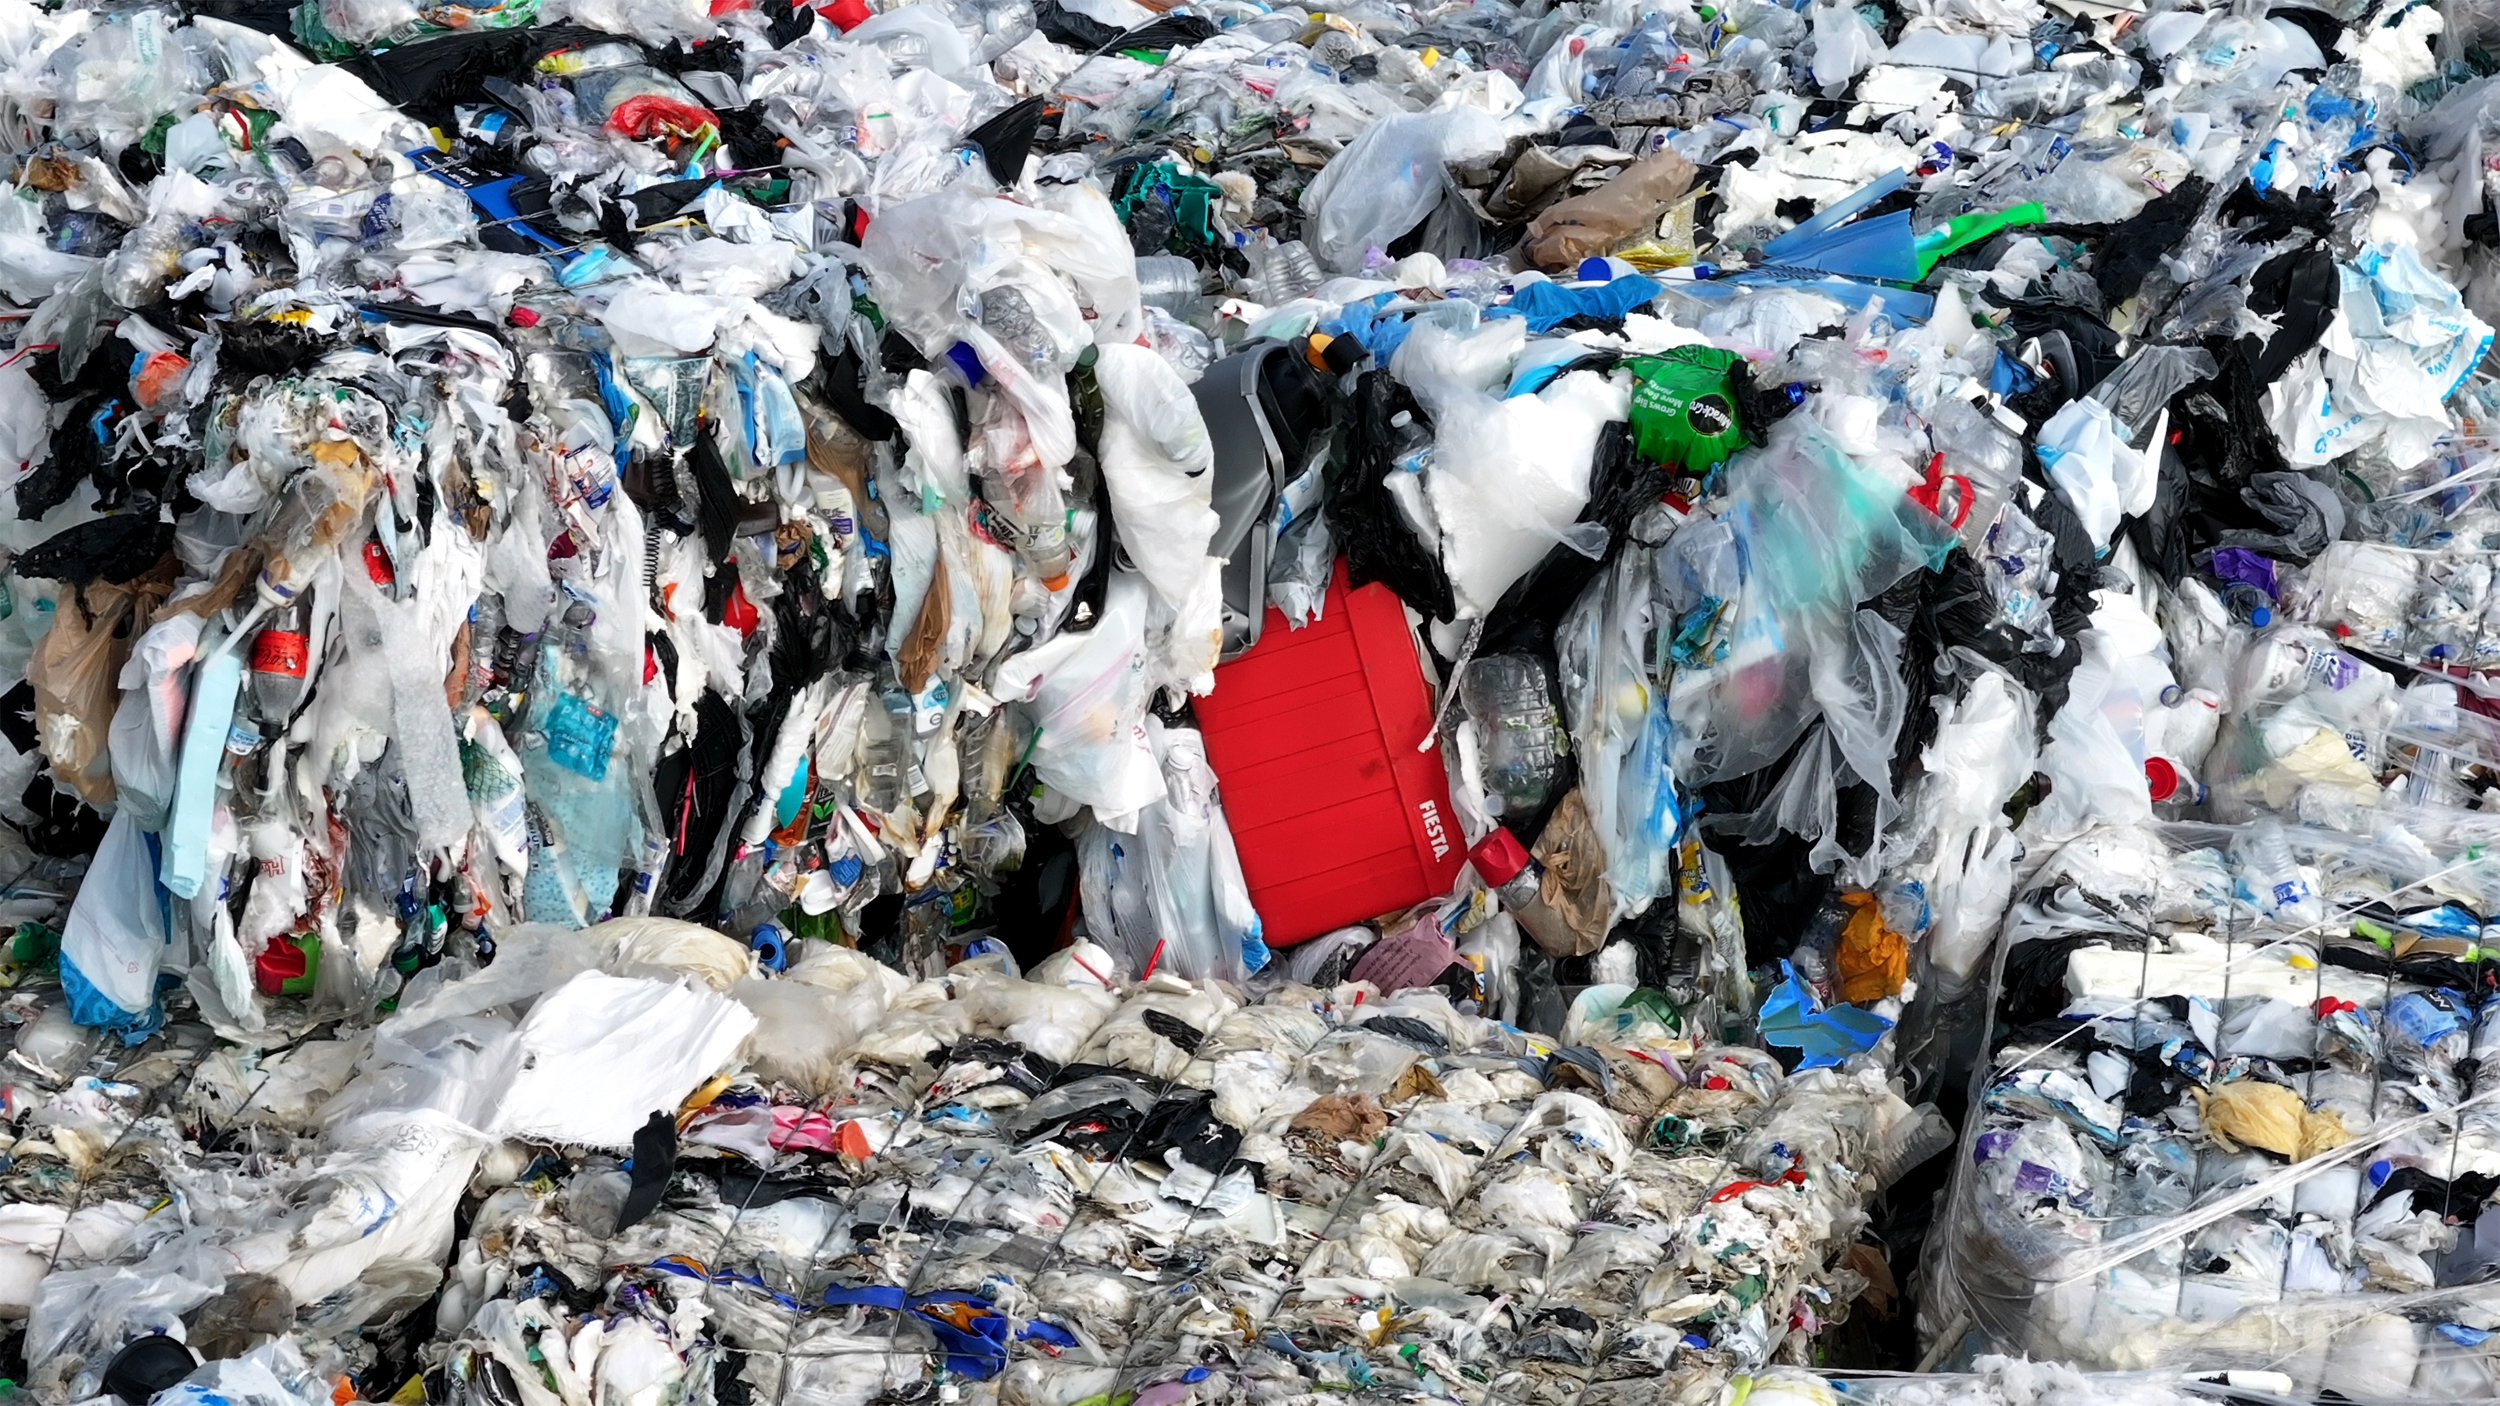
(1874, 960)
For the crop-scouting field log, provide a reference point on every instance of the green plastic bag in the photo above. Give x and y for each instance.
(1684, 408)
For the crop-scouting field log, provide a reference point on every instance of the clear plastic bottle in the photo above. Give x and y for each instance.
(2248, 605)
(2175, 793)
(1280, 273)
(2273, 876)
(280, 660)
(1008, 315)
(2037, 97)
(2486, 1048)
(1171, 283)
(485, 633)
(1410, 445)
(886, 767)
(1511, 700)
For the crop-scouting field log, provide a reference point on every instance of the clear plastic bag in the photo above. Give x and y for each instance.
(1389, 179)
(1171, 897)
(1806, 535)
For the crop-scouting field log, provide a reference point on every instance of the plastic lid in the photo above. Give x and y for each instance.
(2260, 617)
(2161, 777)
(1596, 270)
(1499, 856)
(146, 1366)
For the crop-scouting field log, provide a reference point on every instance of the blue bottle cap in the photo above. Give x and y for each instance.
(772, 947)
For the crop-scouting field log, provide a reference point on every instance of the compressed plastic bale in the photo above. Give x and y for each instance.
(797, 572)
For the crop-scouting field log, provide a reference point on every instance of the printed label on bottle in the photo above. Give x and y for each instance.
(2334, 668)
(280, 652)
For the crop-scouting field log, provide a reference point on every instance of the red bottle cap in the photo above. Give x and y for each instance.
(2161, 778)
(1499, 856)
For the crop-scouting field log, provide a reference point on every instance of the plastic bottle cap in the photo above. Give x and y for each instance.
(2161, 777)
(1596, 270)
(2260, 616)
(1499, 856)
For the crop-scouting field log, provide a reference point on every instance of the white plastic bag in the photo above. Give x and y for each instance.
(2086, 453)
(1155, 459)
(114, 942)
(1509, 477)
(1087, 695)
(600, 1054)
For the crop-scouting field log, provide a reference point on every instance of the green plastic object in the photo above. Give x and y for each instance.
(1684, 409)
(1190, 198)
(34, 947)
(1962, 231)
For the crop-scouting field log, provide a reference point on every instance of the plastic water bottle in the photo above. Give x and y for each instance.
(1512, 702)
(1171, 283)
(485, 633)
(1008, 315)
(888, 747)
(2486, 1049)
(2248, 605)
(1518, 880)
(280, 659)
(2175, 793)
(2274, 876)
(1280, 273)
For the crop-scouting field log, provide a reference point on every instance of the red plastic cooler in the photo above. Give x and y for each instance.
(1312, 736)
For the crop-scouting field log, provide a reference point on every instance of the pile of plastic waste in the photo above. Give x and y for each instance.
(1081, 701)
(1044, 1188)
(1998, 1381)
